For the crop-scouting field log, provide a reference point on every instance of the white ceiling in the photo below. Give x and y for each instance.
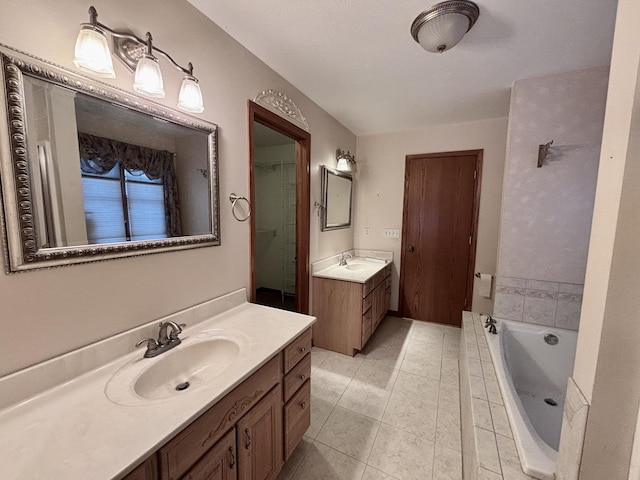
(358, 61)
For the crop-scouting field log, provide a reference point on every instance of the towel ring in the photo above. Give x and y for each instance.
(233, 198)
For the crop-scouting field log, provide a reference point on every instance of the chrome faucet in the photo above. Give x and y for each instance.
(343, 259)
(489, 319)
(165, 342)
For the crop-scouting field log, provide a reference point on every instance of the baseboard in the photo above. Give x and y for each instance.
(394, 313)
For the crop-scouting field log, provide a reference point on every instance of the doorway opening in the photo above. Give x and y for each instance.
(439, 234)
(279, 185)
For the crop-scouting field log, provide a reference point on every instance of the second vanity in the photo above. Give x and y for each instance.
(117, 419)
(350, 301)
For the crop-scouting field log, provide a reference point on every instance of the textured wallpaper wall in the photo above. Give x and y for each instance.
(546, 212)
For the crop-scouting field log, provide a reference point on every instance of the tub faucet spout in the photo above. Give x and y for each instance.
(493, 329)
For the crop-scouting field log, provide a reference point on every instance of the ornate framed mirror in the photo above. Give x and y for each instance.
(91, 172)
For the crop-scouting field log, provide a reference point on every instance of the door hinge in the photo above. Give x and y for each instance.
(475, 174)
(469, 239)
(465, 302)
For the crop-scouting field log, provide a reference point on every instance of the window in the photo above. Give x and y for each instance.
(121, 206)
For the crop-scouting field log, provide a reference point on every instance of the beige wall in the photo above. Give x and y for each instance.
(607, 368)
(380, 187)
(45, 313)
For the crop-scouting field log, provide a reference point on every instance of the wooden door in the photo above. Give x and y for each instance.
(260, 439)
(440, 217)
(219, 463)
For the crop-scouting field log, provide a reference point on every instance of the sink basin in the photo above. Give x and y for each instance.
(186, 368)
(358, 266)
(195, 363)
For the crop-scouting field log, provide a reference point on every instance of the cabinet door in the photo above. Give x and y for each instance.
(219, 463)
(146, 471)
(260, 439)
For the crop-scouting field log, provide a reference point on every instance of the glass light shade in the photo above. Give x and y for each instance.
(443, 32)
(343, 165)
(92, 52)
(190, 97)
(148, 78)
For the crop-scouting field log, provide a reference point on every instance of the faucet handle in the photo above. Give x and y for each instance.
(489, 319)
(150, 342)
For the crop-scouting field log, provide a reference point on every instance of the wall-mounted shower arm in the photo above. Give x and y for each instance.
(543, 150)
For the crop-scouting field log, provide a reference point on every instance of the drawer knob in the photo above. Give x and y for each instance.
(303, 405)
(302, 377)
(302, 349)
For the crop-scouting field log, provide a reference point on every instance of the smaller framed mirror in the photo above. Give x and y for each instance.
(337, 193)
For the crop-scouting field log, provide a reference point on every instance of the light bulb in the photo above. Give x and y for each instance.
(190, 97)
(148, 78)
(92, 52)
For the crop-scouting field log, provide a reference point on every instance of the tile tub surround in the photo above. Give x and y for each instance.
(574, 425)
(489, 451)
(391, 412)
(552, 304)
(75, 421)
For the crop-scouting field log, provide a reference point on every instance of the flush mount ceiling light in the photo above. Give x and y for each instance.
(346, 161)
(92, 54)
(441, 27)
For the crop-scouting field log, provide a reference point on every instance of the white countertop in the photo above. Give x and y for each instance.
(338, 272)
(73, 431)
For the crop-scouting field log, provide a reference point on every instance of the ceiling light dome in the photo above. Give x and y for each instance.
(441, 27)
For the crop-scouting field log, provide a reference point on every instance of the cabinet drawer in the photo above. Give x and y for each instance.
(297, 418)
(297, 376)
(366, 327)
(297, 349)
(366, 303)
(368, 286)
(387, 283)
(177, 456)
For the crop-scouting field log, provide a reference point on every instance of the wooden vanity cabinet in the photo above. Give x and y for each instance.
(243, 436)
(348, 312)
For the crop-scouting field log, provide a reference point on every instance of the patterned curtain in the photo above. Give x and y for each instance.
(98, 155)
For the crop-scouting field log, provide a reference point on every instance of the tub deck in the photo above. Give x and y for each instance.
(488, 446)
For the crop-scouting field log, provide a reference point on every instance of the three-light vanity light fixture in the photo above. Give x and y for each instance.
(93, 54)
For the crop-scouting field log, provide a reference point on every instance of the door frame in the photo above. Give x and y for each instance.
(302, 138)
(474, 225)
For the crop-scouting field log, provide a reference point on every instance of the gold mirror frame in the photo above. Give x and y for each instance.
(19, 225)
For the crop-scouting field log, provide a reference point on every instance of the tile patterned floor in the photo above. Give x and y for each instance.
(390, 412)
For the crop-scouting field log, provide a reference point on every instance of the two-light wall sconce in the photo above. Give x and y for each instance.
(346, 161)
(92, 54)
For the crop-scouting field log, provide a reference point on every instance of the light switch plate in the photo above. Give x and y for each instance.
(392, 233)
